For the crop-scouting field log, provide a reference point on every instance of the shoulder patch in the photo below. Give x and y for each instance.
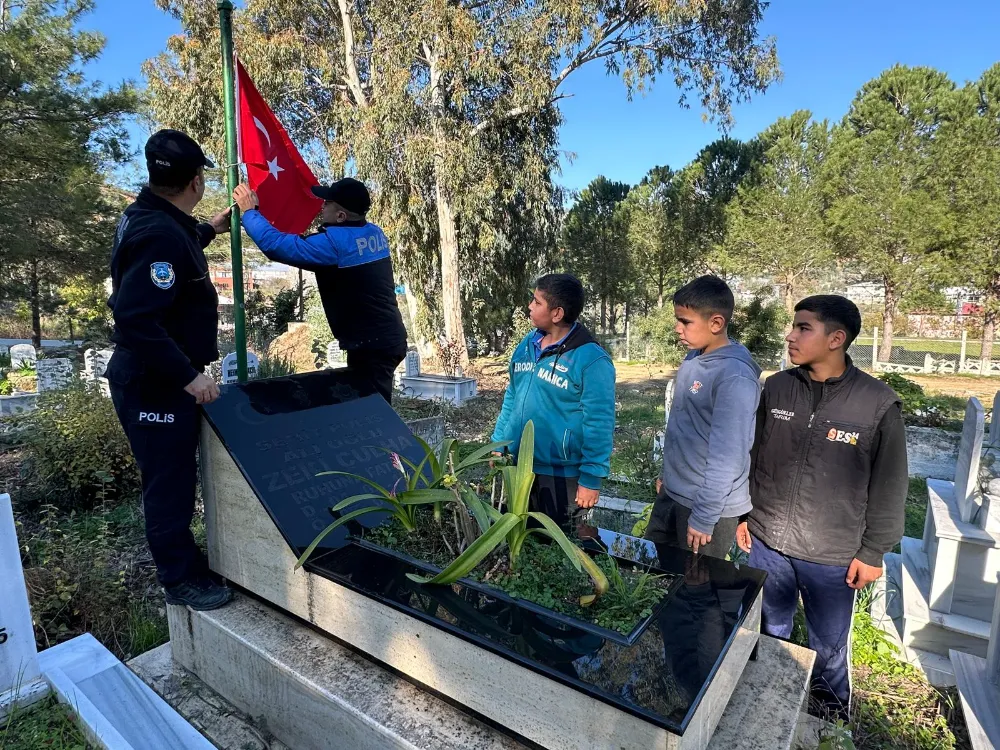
(162, 274)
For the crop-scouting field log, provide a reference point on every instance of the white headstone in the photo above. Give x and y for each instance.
(21, 354)
(229, 372)
(412, 364)
(995, 422)
(95, 363)
(19, 672)
(668, 401)
(967, 467)
(333, 352)
(54, 373)
(4, 349)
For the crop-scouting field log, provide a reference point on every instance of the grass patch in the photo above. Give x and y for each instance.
(916, 508)
(90, 571)
(47, 724)
(895, 708)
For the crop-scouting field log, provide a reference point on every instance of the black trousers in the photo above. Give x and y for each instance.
(161, 423)
(377, 366)
(668, 524)
(556, 498)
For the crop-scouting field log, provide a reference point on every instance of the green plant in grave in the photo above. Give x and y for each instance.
(438, 473)
(512, 526)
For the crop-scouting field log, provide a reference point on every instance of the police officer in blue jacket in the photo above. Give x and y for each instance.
(166, 320)
(350, 257)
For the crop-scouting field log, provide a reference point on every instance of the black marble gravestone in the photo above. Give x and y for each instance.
(282, 432)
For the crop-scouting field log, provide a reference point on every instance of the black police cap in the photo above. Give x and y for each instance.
(171, 153)
(348, 193)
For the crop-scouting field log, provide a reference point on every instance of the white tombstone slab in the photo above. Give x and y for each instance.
(995, 422)
(21, 354)
(95, 363)
(54, 373)
(967, 493)
(335, 356)
(412, 364)
(229, 373)
(668, 401)
(20, 677)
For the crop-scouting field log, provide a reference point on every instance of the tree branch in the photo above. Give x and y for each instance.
(510, 114)
(350, 56)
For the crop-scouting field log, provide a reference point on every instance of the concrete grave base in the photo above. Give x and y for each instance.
(430, 387)
(250, 677)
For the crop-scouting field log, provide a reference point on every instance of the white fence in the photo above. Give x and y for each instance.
(925, 356)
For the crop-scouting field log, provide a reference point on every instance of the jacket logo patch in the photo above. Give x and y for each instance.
(162, 274)
(562, 368)
(839, 436)
(782, 414)
(695, 386)
(552, 379)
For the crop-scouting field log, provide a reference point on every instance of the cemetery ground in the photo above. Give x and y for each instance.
(87, 567)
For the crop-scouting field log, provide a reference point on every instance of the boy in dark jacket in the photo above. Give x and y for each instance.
(562, 380)
(706, 451)
(828, 485)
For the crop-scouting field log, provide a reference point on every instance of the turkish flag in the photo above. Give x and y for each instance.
(275, 169)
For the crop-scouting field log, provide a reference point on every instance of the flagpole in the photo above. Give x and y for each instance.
(232, 180)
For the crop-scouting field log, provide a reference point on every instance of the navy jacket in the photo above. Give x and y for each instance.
(164, 304)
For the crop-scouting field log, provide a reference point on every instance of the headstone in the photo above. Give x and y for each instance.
(95, 363)
(412, 364)
(4, 350)
(967, 467)
(20, 354)
(995, 422)
(54, 373)
(668, 400)
(19, 672)
(229, 371)
(335, 355)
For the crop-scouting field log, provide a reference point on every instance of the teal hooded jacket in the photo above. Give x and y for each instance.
(569, 394)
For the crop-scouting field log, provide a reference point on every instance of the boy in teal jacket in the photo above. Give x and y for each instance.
(563, 381)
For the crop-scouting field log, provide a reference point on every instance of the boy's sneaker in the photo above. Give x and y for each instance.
(201, 594)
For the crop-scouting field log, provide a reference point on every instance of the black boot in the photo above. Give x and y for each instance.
(200, 594)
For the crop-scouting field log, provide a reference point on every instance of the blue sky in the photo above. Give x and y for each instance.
(827, 49)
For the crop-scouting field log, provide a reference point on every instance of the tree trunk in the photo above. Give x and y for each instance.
(789, 299)
(422, 342)
(604, 314)
(302, 297)
(36, 311)
(72, 339)
(660, 283)
(888, 317)
(451, 289)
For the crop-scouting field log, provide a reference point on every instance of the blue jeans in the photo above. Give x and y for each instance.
(829, 610)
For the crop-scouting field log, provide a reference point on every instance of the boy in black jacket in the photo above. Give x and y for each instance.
(828, 483)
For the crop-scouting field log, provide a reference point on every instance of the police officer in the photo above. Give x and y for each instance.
(166, 319)
(351, 258)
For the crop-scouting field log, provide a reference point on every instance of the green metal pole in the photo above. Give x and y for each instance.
(232, 180)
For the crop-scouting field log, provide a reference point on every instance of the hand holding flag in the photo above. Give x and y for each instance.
(275, 169)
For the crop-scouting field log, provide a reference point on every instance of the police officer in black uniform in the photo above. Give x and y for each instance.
(166, 319)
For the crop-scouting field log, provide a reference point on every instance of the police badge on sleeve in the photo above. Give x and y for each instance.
(162, 274)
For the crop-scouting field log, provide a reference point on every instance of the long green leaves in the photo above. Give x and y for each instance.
(323, 534)
(464, 563)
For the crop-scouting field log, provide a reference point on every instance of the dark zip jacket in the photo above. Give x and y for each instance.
(569, 394)
(164, 303)
(828, 476)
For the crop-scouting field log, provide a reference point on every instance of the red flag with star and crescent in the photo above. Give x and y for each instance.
(275, 169)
